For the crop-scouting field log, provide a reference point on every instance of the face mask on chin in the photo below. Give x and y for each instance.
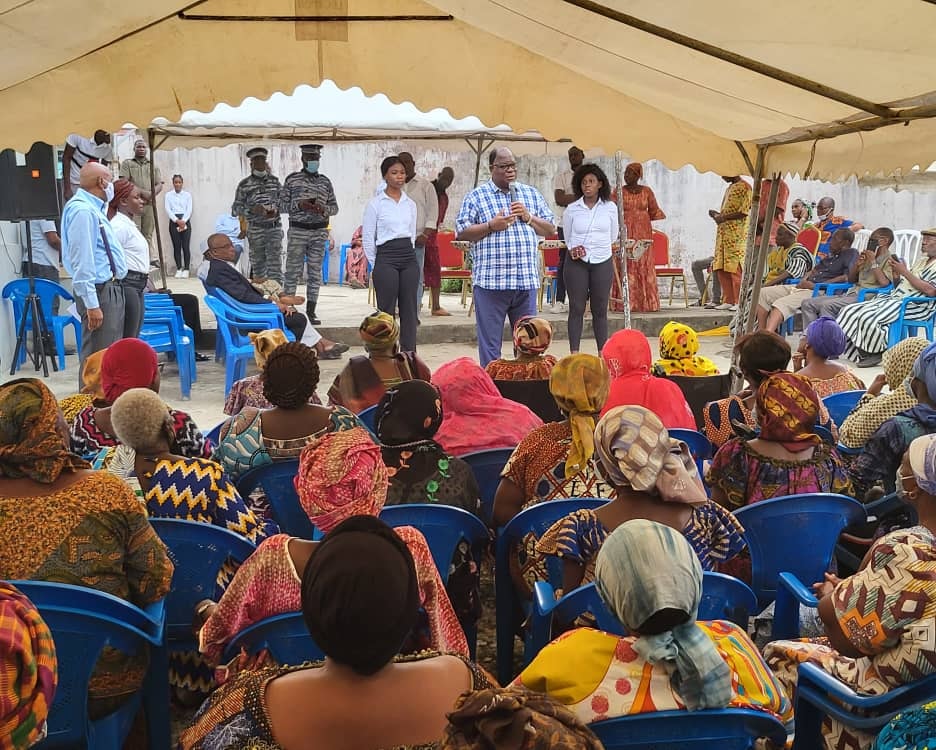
(312, 166)
(109, 192)
(259, 172)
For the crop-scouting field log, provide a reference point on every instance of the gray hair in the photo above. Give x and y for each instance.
(140, 417)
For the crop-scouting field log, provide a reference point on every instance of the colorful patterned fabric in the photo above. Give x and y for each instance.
(787, 408)
(532, 335)
(528, 368)
(379, 332)
(249, 392)
(580, 384)
(679, 346)
(265, 342)
(731, 236)
(235, 718)
(127, 363)
(469, 399)
(910, 730)
(88, 437)
(611, 679)
(640, 208)
(922, 458)
(845, 380)
(91, 375)
(730, 417)
(70, 406)
(32, 443)
(356, 262)
(406, 421)
(828, 227)
(28, 671)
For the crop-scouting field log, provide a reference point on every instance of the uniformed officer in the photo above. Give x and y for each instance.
(309, 199)
(256, 204)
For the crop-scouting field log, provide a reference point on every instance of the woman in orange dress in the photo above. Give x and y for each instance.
(640, 208)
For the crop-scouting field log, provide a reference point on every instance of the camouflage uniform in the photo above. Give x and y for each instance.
(308, 231)
(264, 235)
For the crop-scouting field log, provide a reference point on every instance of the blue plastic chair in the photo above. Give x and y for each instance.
(536, 519)
(444, 528)
(277, 481)
(722, 729)
(699, 446)
(83, 621)
(17, 290)
(156, 304)
(368, 417)
(810, 524)
(343, 260)
(840, 405)
(214, 434)
(266, 315)
(238, 350)
(164, 330)
(903, 327)
(285, 636)
(487, 467)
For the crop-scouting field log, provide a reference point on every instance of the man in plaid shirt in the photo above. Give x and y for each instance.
(505, 262)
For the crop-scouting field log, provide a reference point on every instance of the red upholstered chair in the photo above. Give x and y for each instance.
(663, 268)
(810, 238)
(452, 259)
(549, 258)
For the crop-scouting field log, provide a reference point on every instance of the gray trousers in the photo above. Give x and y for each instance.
(699, 267)
(266, 252)
(421, 262)
(816, 307)
(113, 307)
(305, 246)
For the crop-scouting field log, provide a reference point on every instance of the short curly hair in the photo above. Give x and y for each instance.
(291, 375)
(140, 417)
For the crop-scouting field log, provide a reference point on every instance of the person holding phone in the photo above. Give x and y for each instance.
(590, 226)
(871, 271)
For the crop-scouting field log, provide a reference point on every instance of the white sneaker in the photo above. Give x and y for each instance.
(185, 274)
(731, 308)
(178, 274)
(723, 306)
(559, 307)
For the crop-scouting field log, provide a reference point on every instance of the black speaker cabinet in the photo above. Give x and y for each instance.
(28, 189)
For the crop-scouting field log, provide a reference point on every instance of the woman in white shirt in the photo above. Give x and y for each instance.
(126, 204)
(179, 211)
(590, 226)
(388, 233)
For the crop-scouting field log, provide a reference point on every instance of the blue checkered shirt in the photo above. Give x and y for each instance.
(507, 259)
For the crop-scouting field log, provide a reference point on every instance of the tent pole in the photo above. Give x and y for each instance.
(152, 170)
(622, 235)
(478, 151)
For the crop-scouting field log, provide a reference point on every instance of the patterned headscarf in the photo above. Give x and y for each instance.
(636, 451)
(787, 407)
(407, 418)
(922, 457)
(637, 167)
(679, 346)
(826, 337)
(122, 188)
(31, 442)
(127, 363)
(265, 342)
(532, 335)
(91, 375)
(644, 567)
(379, 332)
(807, 207)
(898, 361)
(28, 674)
(924, 370)
(627, 352)
(579, 384)
(341, 475)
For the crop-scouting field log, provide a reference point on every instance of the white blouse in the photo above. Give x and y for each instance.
(386, 219)
(594, 228)
(136, 248)
(179, 203)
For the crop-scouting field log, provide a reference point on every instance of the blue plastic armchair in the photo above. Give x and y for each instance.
(277, 481)
(47, 291)
(824, 289)
(236, 346)
(840, 405)
(699, 446)
(368, 417)
(863, 293)
(486, 467)
(285, 636)
(905, 327)
(83, 621)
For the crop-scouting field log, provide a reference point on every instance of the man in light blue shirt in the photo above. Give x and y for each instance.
(95, 260)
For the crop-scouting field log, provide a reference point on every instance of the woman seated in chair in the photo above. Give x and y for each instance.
(364, 380)
(257, 437)
(531, 338)
(360, 597)
(786, 457)
(650, 578)
(874, 619)
(341, 474)
(654, 477)
(820, 346)
(475, 415)
(60, 521)
(679, 352)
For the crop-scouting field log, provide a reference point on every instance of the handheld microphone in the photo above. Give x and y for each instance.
(512, 187)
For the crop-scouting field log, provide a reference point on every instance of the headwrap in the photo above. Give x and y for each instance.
(580, 383)
(91, 375)
(922, 457)
(31, 442)
(898, 361)
(406, 421)
(787, 407)
(637, 167)
(265, 342)
(360, 594)
(122, 188)
(627, 352)
(379, 332)
(909, 730)
(924, 370)
(514, 718)
(532, 335)
(826, 337)
(679, 346)
(28, 671)
(341, 475)
(127, 363)
(807, 207)
(644, 567)
(791, 226)
(636, 451)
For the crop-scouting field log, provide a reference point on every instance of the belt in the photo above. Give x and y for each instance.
(139, 275)
(308, 225)
(257, 225)
(100, 287)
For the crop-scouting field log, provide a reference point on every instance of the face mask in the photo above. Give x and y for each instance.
(259, 172)
(109, 192)
(312, 166)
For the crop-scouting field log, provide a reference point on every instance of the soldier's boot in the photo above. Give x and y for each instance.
(310, 314)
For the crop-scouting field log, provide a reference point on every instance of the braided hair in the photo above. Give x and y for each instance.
(291, 375)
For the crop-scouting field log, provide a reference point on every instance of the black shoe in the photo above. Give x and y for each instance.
(339, 347)
(199, 357)
(869, 360)
(332, 353)
(310, 314)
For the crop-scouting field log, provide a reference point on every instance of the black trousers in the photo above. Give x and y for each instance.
(296, 322)
(180, 245)
(586, 281)
(134, 284)
(560, 273)
(190, 313)
(396, 279)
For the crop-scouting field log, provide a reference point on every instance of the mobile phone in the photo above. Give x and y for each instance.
(577, 252)
(872, 245)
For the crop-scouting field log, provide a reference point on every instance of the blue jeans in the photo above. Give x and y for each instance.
(491, 307)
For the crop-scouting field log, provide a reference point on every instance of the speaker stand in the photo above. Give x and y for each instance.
(40, 331)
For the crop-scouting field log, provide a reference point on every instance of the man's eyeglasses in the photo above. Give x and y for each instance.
(507, 167)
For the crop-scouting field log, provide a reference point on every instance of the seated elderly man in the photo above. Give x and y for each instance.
(777, 303)
(217, 271)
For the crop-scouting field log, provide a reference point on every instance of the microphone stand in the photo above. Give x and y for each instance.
(40, 331)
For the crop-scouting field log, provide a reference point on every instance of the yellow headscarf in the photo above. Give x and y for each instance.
(678, 346)
(265, 342)
(579, 384)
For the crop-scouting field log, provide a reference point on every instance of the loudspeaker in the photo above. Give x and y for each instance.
(28, 189)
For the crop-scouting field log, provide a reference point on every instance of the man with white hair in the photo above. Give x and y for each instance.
(137, 170)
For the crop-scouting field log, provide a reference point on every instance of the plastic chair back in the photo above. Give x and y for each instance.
(699, 446)
(487, 467)
(726, 598)
(660, 248)
(534, 394)
(724, 729)
(839, 405)
(214, 434)
(197, 550)
(810, 238)
(236, 345)
(278, 483)
(285, 636)
(861, 239)
(700, 391)
(907, 244)
(809, 524)
(369, 417)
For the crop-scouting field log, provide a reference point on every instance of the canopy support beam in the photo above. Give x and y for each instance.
(152, 175)
(478, 150)
(744, 155)
(622, 235)
(734, 58)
